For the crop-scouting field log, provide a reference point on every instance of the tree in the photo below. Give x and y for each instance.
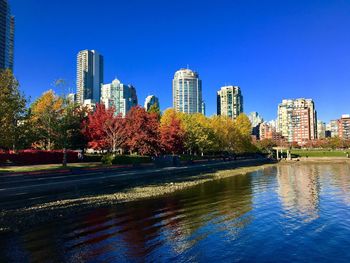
(142, 132)
(156, 110)
(104, 130)
(45, 117)
(199, 133)
(243, 140)
(12, 111)
(171, 133)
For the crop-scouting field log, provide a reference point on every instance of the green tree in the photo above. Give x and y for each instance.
(12, 111)
(156, 110)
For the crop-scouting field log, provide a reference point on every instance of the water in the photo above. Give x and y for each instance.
(289, 213)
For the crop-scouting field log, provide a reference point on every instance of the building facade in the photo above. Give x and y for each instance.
(332, 128)
(321, 130)
(297, 120)
(89, 76)
(121, 97)
(268, 132)
(230, 101)
(344, 127)
(151, 100)
(7, 35)
(187, 92)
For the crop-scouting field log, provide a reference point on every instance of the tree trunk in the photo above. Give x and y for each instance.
(64, 163)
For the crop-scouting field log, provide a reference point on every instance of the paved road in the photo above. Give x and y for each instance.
(23, 190)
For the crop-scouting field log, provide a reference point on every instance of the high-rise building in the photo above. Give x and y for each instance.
(151, 100)
(297, 120)
(321, 130)
(332, 128)
(344, 127)
(255, 120)
(121, 97)
(230, 101)
(187, 92)
(89, 76)
(7, 35)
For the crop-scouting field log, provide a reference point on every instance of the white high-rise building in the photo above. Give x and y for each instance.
(230, 101)
(187, 92)
(89, 76)
(151, 100)
(297, 120)
(121, 97)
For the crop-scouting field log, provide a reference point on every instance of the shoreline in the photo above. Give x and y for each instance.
(316, 160)
(17, 219)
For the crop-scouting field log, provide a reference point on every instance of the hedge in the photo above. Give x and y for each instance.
(32, 157)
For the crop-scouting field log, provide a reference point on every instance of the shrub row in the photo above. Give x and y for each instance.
(32, 157)
(125, 159)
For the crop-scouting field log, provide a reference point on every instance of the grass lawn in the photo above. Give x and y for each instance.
(35, 168)
(320, 153)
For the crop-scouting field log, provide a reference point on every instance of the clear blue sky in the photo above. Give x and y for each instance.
(271, 49)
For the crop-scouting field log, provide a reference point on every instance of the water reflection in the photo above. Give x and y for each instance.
(298, 188)
(290, 209)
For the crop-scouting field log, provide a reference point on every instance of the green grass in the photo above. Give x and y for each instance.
(319, 153)
(44, 167)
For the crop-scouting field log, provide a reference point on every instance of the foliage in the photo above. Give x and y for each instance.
(56, 123)
(172, 133)
(142, 132)
(12, 112)
(32, 157)
(107, 159)
(156, 110)
(131, 159)
(104, 129)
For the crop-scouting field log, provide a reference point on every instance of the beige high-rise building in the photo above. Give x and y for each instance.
(229, 101)
(297, 120)
(89, 76)
(187, 92)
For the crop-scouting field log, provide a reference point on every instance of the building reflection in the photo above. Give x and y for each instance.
(299, 189)
(339, 176)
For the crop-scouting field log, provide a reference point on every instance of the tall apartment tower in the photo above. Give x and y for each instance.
(89, 76)
(230, 101)
(344, 127)
(151, 100)
(187, 92)
(297, 120)
(7, 35)
(121, 97)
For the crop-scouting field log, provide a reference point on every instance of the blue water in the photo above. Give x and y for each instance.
(289, 213)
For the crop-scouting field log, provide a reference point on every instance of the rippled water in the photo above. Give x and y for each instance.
(289, 213)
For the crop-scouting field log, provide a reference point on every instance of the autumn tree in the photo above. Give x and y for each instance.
(12, 111)
(45, 113)
(104, 129)
(142, 132)
(172, 133)
(199, 133)
(243, 141)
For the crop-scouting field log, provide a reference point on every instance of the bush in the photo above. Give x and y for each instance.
(92, 158)
(131, 159)
(33, 157)
(107, 159)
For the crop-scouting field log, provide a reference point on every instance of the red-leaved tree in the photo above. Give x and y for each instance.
(142, 132)
(104, 130)
(172, 135)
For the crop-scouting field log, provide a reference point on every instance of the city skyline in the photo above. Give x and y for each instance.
(268, 69)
